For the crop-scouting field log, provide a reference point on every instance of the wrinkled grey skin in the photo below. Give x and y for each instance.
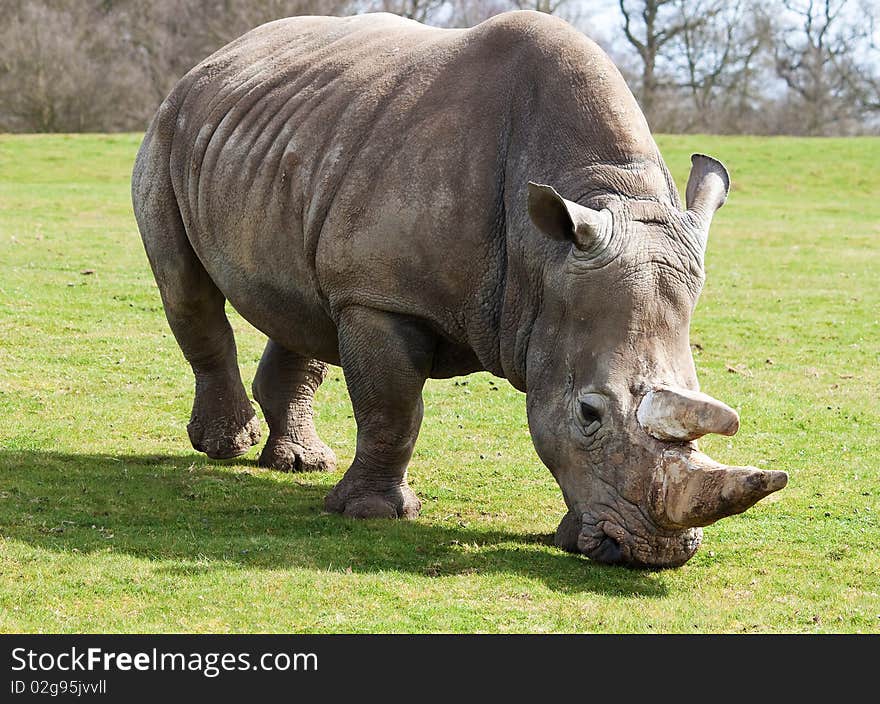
(358, 189)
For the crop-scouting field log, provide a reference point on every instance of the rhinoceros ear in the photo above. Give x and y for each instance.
(560, 219)
(707, 187)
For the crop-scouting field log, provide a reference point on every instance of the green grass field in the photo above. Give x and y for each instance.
(109, 521)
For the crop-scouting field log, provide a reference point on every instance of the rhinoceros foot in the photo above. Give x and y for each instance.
(285, 455)
(357, 499)
(224, 437)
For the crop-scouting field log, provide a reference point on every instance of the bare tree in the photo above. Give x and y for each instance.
(649, 26)
(54, 69)
(795, 66)
(864, 81)
(814, 58)
(717, 61)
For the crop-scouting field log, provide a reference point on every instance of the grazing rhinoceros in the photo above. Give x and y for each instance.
(370, 192)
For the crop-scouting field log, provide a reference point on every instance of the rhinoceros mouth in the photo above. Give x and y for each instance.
(605, 540)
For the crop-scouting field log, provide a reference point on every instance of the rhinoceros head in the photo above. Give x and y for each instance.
(613, 401)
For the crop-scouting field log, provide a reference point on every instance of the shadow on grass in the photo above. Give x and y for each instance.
(197, 517)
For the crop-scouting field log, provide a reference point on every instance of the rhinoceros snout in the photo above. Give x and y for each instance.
(607, 542)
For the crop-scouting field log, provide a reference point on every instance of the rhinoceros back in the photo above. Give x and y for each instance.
(291, 129)
(322, 162)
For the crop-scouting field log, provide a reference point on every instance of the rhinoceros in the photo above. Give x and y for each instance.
(411, 202)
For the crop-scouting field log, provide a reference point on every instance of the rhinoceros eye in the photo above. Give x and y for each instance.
(591, 408)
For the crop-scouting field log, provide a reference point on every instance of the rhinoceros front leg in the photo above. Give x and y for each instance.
(285, 387)
(386, 359)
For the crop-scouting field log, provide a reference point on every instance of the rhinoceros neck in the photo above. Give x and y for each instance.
(576, 126)
(580, 125)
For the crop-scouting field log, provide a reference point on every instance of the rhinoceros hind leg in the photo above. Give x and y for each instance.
(285, 387)
(223, 423)
(386, 359)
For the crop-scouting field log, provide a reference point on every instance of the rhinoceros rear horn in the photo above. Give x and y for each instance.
(690, 490)
(679, 415)
(560, 219)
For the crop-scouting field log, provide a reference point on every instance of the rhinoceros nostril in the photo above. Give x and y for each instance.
(608, 551)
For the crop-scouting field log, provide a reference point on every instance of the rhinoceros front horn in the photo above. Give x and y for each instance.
(680, 415)
(690, 490)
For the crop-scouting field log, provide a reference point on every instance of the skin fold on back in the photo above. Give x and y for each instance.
(333, 161)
